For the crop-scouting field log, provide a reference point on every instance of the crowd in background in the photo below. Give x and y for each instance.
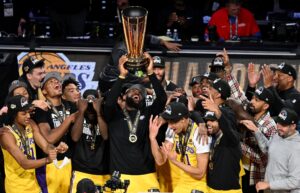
(101, 19)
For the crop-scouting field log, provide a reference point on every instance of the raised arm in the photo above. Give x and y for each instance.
(235, 88)
(161, 96)
(154, 125)
(101, 122)
(76, 131)
(111, 99)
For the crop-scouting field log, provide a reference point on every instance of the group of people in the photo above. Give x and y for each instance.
(220, 139)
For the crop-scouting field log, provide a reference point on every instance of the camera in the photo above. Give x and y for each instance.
(115, 182)
(90, 100)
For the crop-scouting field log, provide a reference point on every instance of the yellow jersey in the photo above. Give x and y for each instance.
(193, 148)
(18, 179)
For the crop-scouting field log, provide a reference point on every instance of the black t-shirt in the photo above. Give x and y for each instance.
(52, 119)
(91, 156)
(126, 157)
(224, 174)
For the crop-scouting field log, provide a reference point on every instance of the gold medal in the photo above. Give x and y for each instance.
(132, 138)
(211, 165)
(92, 146)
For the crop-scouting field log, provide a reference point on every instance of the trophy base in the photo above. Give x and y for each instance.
(133, 65)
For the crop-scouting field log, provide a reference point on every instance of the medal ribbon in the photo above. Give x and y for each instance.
(183, 145)
(132, 127)
(236, 29)
(62, 117)
(217, 142)
(24, 140)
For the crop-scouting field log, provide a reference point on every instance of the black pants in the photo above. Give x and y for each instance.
(245, 183)
(2, 183)
(2, 176)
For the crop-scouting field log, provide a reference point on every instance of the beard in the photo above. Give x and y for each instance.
(253, 111)
(161, 78)
(131, 103)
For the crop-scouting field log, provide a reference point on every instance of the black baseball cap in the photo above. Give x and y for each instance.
(293, 103)
(195, 80)
(208, 75)
(222, 87)
(86, 186)
(264, 94)
(217, 64)
(210, 116)
(31, 63)
(90, 92)
(50, 75)
(287, 116)
(158, 62)
(17, 103)
(175, 111)
(16, 84)
(287, 69)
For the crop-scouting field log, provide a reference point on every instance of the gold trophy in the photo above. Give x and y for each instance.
(134, 19)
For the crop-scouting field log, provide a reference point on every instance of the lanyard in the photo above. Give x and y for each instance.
(213, 147)
(94, 129)
(132, 127)
(235, 35)
(60, 117)
(183, 141)
(24, 140)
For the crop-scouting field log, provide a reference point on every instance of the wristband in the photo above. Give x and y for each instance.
(121, 77)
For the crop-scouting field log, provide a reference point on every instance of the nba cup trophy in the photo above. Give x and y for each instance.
(134, 20)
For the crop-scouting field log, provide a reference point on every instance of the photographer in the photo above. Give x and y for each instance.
(90, 134)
